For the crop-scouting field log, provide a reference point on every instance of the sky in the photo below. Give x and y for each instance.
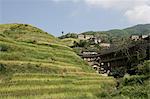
(55, 16)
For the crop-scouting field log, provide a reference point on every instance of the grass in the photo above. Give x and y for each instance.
(26, 33)
(135, 86)
(36, 65)
(69, 41)
(34, 84)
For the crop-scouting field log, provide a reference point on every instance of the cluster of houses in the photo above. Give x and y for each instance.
(138, 37)
(92, 38)
(85, 37)
(105, 61)
(98, 40)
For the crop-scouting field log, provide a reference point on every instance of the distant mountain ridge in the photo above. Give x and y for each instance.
(113, 34)
(140, 29)
(137, 29)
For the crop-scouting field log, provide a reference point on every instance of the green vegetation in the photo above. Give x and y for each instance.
(117, 34)
(69, 35)
(136, 86)
(139, 29)
(36, 65)
(26, 33)
(69, 41)
(113, 37)
(85, 45)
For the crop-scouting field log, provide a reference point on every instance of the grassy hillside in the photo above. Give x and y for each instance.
(35, 65)
(27, 33)
(112, 35)
(139, 29)
(69, 41)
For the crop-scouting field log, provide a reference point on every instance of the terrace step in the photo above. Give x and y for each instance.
(34, 84)
(63, 95)
(40, 90)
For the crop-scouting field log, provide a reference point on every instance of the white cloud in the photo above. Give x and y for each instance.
(140, 14)
(116, 3)
(135, 10)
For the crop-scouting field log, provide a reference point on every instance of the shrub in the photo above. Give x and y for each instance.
(136, 79)
(2, 35)
(82, 43)
(103, 94)
(32, 41)
(135, 92)
(143, 69)
(118, 72)
(69, 35)
(2, 69)
(4, 48)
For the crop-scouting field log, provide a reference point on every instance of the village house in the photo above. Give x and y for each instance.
(97, 40)
(138, 37)
(87, 53)
(144, 36)
(85, 37)
(81, 37)
(105, 45)
(135, 37)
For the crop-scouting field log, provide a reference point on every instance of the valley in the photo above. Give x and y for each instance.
(36, 65)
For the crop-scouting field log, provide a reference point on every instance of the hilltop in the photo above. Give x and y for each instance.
(111, 35)
(26, 33)
(35, 64)
(115, 34)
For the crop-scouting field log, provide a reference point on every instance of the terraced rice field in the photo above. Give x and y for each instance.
(36, 65)
(54, 86)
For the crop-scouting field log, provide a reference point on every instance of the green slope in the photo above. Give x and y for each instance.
(139, 29)
(70, 41)
(112, 35)
(27, 33)
(35, 65)
(135, 86)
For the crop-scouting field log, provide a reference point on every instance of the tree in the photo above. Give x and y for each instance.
(69, 35)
